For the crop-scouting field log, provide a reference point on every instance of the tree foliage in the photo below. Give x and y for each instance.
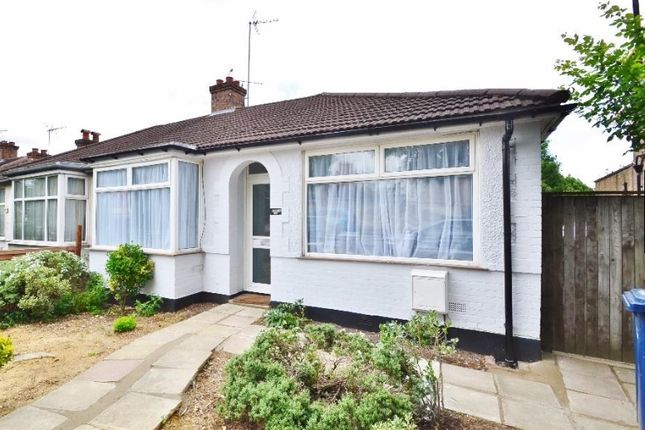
(552, 179)
(608, 79)
(129, 270)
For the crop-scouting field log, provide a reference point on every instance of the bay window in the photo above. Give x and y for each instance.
(135, 204)
(412, 201)
(3, 211)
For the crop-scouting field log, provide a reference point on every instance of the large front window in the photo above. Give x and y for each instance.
(404, 201)
(133, 204)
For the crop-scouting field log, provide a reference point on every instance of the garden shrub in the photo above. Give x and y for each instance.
(320, 377)
(129, 269)
(286, 315)
(6, 350)
(123, 324)
(149, 307)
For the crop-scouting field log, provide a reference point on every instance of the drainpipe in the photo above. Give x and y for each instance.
(509, 354)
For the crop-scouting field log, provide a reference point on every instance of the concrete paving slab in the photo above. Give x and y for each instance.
(620, 412)
(210, 317)
(32, 356)
(164, 381)
(109, 370)
(136, 411)
(75, 395)
(228, 308)
(251, 331)
(86, 427)
(179, 358)
(528, 391)
(237, 321)
(584, 367)
(625, 375)
(469, 378)
(588, 423)
(236, 344)
(630, 389)
(257, 313)
(219, 331)
(604, 387)
(529, 416)
(163, 336)
(134, 351)
(471, 402)
(31, 418)
(201, 342)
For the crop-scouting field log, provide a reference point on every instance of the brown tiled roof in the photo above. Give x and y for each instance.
(323, 115)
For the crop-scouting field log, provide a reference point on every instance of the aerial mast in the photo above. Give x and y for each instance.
(253, 23)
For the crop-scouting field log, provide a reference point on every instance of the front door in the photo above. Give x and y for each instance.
(258, 231)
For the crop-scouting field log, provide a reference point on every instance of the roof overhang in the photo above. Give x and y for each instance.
(45, 167)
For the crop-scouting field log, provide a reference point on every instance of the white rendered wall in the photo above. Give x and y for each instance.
(382, 289)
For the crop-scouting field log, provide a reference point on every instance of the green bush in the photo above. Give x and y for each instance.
(319, 377)
(129, 269)
(286, 315)
(123, 324)
(149, 307)
(6, 350)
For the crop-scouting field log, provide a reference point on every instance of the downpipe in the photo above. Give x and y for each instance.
(509, 353)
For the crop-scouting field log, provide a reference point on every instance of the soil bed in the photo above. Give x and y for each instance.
(77, 342)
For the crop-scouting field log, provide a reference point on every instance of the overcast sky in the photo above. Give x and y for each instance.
(118, 66)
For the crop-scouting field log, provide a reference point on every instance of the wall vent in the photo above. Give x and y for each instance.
(456, 307)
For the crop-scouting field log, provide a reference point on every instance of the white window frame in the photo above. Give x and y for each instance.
(172, 184)
(381, 174)
(67, 196)
(3, 209)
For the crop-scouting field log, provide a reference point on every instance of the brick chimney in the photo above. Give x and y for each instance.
(227, 95)
(85, 139)
(36, 154)
(8, 150)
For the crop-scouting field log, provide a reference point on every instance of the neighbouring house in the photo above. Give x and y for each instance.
(624, 179)
(367, 206)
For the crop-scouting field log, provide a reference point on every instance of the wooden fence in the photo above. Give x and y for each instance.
(592, 250)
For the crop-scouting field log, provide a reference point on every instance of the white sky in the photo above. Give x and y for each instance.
(118, 66)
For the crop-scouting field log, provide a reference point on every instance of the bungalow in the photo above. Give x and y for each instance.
(367, 206)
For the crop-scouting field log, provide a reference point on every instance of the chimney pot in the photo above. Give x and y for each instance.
(95, 136)
(229, 79)
(85, 138)
(220, 81)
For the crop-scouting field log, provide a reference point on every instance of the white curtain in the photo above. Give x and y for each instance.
(112, 218)
(432, 156)
(76, 186)
(52, 211)
(417, 217)
(112, 178)
(153, 174)
(34, 220)
(149, 218)
(52, 185)
(34, 187)
(17, 221)
(347, 163)
(188, 205)
(74, 215)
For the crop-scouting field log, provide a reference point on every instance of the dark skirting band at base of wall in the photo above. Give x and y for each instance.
(173, 305)
(469, 340)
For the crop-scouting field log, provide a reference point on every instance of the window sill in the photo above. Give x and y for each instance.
(159, 252)
(399, 261)
(40, 243)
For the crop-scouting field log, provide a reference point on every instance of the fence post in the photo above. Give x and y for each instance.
(79, 240)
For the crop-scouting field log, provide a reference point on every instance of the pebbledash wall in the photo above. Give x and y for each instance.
(364, 290)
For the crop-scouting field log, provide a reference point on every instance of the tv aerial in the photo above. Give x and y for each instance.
(254, 23)
(50, 130)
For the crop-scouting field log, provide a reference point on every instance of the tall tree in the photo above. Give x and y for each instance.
(552, 179)
(608, 78)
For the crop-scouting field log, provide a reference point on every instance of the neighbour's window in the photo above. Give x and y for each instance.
(135, 207)
(413, 201)
(2, 212)
(75, 207)
(36, 208)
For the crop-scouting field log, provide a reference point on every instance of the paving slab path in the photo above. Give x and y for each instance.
(140, 385)
(561, 392)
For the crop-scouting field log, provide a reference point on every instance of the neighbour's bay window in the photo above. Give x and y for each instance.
(3, 211)
(136, 203)
(404, 201)
(36, 203)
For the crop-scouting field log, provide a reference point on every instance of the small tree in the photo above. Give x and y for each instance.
(608, 79)
(129, 270)
(552, 179)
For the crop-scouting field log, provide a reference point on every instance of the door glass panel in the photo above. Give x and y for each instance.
(261, 210)
(261, 266)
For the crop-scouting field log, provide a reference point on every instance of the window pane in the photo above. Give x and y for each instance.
(112, 178)
(2, 219)
(418, 217)
(74, 215)
(76, 186)
(112, 218)
(348, 163)
(34, 219)
(424, 157)
(52, 185)
(257, 169)
(17, 189)
(52, 210)
(149, 214)
(17, 221)
(261, 266)
(2, 195)
(261, 206)
(188, 204)
(150, 174)
(35, 187)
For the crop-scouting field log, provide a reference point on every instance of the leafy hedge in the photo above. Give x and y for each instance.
(319, 377)
(6, 350)
(47, 284)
